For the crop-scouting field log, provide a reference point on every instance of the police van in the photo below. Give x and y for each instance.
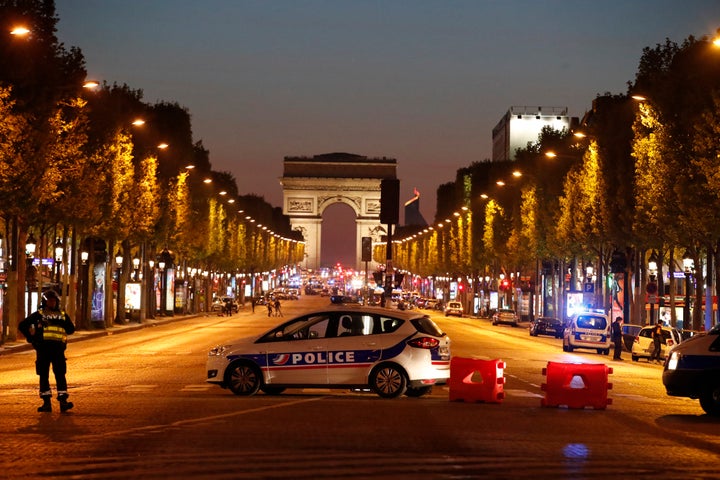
(693, 370)
(587, 330)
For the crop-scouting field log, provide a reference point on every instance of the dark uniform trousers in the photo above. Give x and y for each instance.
(51, 354)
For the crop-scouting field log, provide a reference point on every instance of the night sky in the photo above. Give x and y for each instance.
(420, 81)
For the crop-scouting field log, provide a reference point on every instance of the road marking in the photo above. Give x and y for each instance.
(139, 388)
(197, 388)
(521, 393)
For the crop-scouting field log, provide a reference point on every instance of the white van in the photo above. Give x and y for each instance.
(693, 370)
(587, 330)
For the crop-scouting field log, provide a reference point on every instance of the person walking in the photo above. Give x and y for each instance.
(657, 337)
(617, 337)
(278, 312)
(270, 308)
(47, 329)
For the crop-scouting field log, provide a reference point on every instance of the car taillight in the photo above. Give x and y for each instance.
(670, 342)
(637, 340)
(424, 342)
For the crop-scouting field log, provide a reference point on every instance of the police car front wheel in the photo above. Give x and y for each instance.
(388, 381)
(710, 400)
(243, 379)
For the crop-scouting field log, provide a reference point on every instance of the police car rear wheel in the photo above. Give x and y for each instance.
(243, 379)
(388, 381)
(710, 401)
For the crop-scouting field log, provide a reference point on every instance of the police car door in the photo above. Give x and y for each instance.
(352, 353)
(299, 357)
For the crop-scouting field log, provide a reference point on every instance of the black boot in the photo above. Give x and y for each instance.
(64, 404)
(46, 406)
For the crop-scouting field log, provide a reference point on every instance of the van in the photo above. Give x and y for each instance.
(587, 330)
(693, 370)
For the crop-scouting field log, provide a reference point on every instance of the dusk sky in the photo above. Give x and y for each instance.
(420, 81)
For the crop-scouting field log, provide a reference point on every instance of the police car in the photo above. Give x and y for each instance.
(693, 370)
(392, 352)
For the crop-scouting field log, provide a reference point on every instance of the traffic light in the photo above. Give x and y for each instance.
(390, 201)
(366, 249)
(505, 285)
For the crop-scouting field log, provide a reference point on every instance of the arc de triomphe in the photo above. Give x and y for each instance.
(312, 184)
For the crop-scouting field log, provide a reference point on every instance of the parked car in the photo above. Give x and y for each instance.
(505, 315)
(587, 330)
(644, 345)
(454, 308)
(219, 304)
(547, 326)
(388, 351)
(430, 303)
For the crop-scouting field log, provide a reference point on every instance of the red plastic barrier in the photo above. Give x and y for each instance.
(576, 385)
(473, 380)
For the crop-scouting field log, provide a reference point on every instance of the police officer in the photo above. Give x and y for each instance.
(47, 330)
(657, 337)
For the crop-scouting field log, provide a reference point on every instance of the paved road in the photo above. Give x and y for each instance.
(143, 409)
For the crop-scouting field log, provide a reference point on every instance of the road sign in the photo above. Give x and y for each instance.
(589, 288)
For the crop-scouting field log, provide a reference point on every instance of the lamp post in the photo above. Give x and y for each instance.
(31, 271)
(652, 286)
(119, 316)
(84, 256)
(58, 260)
(150, 289)
(688, 265)
(136, 268)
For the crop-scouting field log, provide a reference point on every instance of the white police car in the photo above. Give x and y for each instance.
(693, 370)
(587, 330)
(390, 351)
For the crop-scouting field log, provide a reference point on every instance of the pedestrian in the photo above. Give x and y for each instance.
(270, 308)
(657, 337)
(252, 303)
(47, 329)
(278, 312)
(617, 337)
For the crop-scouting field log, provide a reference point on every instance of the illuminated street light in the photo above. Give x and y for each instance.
(58, 258)
(20, 31)
(30, 245)
(688, 265)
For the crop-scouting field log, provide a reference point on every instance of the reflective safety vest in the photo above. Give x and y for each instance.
(52, 332)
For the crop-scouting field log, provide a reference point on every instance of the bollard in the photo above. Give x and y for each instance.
(474, 380)
(576, 385)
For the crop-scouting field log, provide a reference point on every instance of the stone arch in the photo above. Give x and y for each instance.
(312, 184)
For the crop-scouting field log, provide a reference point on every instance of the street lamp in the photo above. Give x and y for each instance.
(118, 263)
(652, 286)
(688, 265)
(136, 267)
(58, 258)
(30, 270)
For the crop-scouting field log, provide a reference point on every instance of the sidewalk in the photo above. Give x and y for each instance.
(79, 335)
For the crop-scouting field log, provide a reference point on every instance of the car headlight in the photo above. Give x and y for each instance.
(673, 361)
(218, 351)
